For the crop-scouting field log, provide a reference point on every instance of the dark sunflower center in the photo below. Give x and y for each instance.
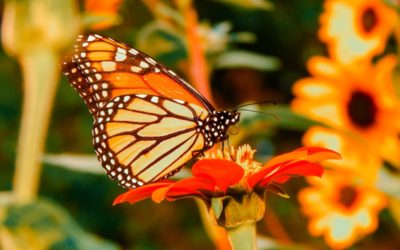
(347, 196)
(369, 19)
(361, 109)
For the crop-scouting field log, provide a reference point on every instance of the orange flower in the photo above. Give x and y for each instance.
(340, 210)
(357, 99)
(233, 175)
(356, 29)
(103, 6)
(106, 11)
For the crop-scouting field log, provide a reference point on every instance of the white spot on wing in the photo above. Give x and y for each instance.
(91, 38)
(150, 60)
(172, 72)
(108, 66)
(136, 69)
(120, 57)
(133, 52)
(154, 99)
(179, 101)
(144, 65)
(121, 50)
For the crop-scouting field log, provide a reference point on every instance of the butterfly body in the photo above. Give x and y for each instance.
(148, 122)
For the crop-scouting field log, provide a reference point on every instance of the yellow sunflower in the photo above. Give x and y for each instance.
(356, 29)
(358, 99)
(339, 209)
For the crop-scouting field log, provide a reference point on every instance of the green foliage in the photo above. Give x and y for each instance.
(276, 115)
(46, 225)
(238, 59)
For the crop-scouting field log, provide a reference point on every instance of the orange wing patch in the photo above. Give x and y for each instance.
(166, 86)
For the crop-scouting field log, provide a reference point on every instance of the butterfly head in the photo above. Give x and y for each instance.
(216, 125)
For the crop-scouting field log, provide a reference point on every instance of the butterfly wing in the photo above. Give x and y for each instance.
(107, 69)
(143, 138)
(146, 117)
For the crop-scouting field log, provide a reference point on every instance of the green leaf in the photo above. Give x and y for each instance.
(217, 206)
(159, 39)
(87, 163)
(46, 225)
(75, 162)
(249, 4)
(240, 58)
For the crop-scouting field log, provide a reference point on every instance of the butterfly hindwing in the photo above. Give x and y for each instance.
(143, 138)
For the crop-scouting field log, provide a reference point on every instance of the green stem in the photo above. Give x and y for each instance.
(40, 70)
(243, 237)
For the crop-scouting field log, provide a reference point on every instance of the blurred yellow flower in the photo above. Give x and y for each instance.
(356, 29)
(339, 209)
(359, 99)
(357, 157)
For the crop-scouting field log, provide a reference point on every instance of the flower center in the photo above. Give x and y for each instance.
(369, 19)
(361, 109)
(347, 196)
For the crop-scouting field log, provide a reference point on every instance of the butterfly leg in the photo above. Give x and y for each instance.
(228, 147)
(197, 153)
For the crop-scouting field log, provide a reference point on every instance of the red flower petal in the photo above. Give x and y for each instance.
(302, 168)
(297, 162)
(183, 188)
(224, 173)
(317, 154)
(141, 193)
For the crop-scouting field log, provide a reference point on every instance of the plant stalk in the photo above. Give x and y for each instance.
(40, 72)
(243, 237)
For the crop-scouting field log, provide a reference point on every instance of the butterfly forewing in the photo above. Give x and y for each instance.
(143, 138)
(113, 69)
(79, 83)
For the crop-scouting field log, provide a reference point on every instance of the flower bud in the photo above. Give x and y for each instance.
(32, 25)
(231, 212)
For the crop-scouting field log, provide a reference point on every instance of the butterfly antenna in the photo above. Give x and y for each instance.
(261, 112)
(255, 103)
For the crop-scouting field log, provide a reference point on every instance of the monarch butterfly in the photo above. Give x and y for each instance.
(148, 122)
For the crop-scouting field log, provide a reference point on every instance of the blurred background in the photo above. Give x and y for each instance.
(326, 70)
